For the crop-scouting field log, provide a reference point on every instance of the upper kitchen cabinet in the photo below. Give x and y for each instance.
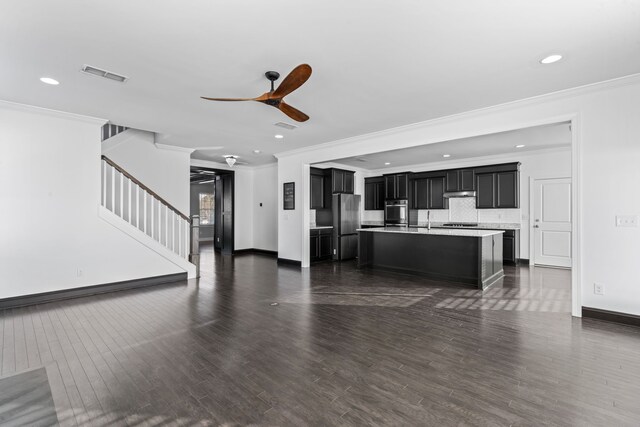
(428, 193)
(342, 181)
(460, 180)
(397, 186)
(318, 189)
(374, 193)
(498, 186)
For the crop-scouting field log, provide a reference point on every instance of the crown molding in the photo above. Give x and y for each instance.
(538, 99)
(173, 148)
(50, 112)
(216, 165)
(469, 162)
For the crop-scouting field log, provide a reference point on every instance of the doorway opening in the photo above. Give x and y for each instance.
(212, 198)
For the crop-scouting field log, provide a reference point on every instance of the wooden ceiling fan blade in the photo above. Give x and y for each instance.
(294, 113)
(228, 99)
(293, 81)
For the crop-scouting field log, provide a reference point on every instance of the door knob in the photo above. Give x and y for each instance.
(536, 226)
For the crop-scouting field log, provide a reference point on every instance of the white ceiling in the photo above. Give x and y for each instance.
(533, 138)
(377, 64)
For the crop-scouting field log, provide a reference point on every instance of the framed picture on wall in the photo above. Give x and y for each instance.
(289, 195)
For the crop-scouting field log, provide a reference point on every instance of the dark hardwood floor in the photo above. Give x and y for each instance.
(341, 347)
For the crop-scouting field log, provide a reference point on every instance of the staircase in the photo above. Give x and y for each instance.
(110, 130)
(135, 209)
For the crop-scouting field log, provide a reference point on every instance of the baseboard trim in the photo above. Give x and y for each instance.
(611, 316)
(64, 294)
(255, 251)
(293, 263)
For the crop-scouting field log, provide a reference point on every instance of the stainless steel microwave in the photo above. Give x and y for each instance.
(396, 212)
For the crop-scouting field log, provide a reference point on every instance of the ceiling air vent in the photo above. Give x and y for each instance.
(285, 125)
(103, 73)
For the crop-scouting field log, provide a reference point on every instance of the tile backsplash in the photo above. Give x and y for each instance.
(463, 209)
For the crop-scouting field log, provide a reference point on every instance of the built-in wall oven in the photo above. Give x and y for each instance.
(396, 212)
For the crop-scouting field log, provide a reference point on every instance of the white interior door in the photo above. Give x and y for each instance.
(552, 222)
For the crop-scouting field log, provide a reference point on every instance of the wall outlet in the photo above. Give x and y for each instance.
(335, 251)
(79, 272)
(598, 288)
(626, 221)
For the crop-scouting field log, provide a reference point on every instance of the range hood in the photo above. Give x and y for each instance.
(452, 194)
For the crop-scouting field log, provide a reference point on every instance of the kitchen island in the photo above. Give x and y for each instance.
(466, 256)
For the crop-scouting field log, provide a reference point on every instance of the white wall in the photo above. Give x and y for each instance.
(243, 227)
(607, 130)
(163, 170)
(49, 199)
(265, 217)
(554, 163)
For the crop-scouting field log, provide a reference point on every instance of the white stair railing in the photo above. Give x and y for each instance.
(135, 203)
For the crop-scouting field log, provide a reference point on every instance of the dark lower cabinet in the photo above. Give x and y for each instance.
(511, 246)
(320, 244)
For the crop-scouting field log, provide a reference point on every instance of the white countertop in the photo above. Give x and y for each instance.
(320, 227)
(434, 231)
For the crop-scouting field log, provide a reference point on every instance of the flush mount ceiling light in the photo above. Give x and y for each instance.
(278, 136)
(387, 163)
(230, 159)
(49, 81)
(551, 59)
(446, 155)
(257, 151)
(520, 146)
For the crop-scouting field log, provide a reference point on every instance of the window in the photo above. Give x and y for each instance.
(206, 208)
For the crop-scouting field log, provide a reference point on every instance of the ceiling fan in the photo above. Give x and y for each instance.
(296, 78)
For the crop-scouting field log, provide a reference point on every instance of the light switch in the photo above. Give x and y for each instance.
(626, 220)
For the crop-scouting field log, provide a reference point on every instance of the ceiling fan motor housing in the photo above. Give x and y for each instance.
(272, 75)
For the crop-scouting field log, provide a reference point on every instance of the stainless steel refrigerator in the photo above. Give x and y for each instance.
(346, 220)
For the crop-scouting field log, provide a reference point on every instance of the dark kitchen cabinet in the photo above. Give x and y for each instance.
(460, 180)
(485, 191)
(318, 194)
(428, 193)
(397, 186)
(511, 246)
(374, 194)
(436, 194)
(342, 181)
(498, 190)
(320, 244)
(507, 190)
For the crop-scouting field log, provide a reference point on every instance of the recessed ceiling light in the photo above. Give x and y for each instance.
(257, 151)
(519, 145)
(49, 81)
(278, 136)
(387, 163)
(446, 155)
(551, 59)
